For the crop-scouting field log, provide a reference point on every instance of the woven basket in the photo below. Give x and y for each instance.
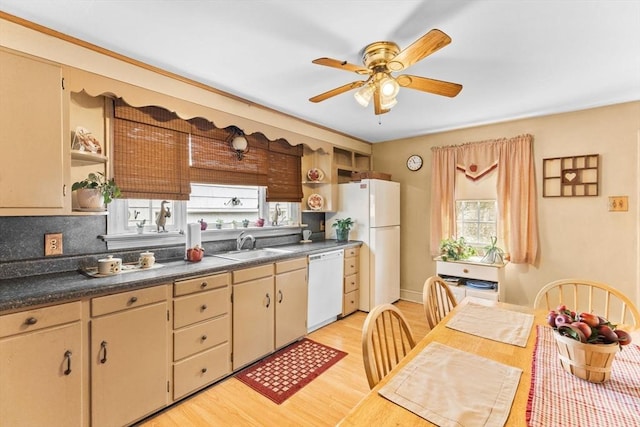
(591, 362)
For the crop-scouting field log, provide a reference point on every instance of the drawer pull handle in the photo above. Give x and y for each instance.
(103, 348)
(133, 300)
(67, 355)
(203, 307)
(31, 321)
(280, 296)
(268, 300)
(204, 285)
(465, 270)
(203, 338)
(204, 370)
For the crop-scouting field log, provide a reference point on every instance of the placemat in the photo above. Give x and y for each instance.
(557, 398)
(453, 388)
(494, 323)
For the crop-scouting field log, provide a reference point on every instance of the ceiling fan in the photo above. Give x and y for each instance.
(380, 60)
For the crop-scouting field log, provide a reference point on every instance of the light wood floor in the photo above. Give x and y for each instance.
(323, 402)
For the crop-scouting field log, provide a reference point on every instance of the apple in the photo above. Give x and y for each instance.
(572, 332)
(608, 334)
(551, 318)
(584, 328)
(195, 254)
(561, 308)
(623, 337)
(590, 319)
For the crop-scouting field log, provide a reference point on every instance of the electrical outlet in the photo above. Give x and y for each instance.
(619, 203)
(53, 244)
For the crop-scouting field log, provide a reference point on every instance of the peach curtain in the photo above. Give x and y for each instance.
(516, 191)
(443, 213)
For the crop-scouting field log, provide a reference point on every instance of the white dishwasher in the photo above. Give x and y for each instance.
(326, 272)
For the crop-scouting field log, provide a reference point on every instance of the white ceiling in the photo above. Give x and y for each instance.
(514, 58)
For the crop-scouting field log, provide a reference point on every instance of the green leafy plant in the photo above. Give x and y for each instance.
(492, 253)
(455, 249)
(107, 187)
(343, 224)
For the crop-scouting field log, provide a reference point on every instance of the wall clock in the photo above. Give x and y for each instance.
(414, 162)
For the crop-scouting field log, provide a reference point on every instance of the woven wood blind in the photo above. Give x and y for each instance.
(285, 176)
(150, 153)
(214, 162)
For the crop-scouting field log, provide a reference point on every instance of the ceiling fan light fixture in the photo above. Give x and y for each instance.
(387, 102)
(389, 87)
(363, 96)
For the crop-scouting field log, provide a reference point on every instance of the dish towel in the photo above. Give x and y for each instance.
(453, 388)
(497, 324)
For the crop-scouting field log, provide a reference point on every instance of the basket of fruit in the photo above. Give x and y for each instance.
(587, 343)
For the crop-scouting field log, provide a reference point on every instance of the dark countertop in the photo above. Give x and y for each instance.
(31, 291)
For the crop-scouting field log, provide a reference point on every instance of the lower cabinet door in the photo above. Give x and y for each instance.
(41, 378)
(253, 320)
(129, 363)
(291, 306)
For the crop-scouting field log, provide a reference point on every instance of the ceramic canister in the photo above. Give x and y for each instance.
(146, 260)
(109, 265)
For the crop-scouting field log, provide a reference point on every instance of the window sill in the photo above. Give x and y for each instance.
(171, 238)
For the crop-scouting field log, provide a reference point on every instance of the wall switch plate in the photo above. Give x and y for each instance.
(618, 204)
(53, 244)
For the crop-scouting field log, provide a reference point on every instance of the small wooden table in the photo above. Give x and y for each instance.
(375, 410)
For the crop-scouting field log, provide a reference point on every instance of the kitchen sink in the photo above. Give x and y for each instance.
(250, 254)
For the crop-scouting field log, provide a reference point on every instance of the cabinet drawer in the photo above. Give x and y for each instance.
(484, 294)
(200, 370)
(199, 284)
(194, 339)
(201, 306)
(252, 273)
(39, 318)
(351, 252)
(290, 265)
(351, 266)
(469, 271)
(351, 283)
(350, 302)
(126, 300)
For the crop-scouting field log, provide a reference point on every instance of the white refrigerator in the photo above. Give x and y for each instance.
(374, 205)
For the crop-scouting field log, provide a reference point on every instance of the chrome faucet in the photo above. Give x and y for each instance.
(240, 240)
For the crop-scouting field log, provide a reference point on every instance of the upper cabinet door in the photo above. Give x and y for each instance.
(31, 127)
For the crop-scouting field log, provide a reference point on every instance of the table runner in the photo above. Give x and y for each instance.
(453, 388)
(498, 324)
(557, 398)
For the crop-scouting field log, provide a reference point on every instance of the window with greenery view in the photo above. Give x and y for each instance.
(477, 221)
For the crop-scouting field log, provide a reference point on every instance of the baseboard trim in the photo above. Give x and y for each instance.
(412, 296)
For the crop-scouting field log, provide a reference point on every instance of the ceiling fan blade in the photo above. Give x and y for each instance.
(431, 42)
(424, 84)
(377, 103)
(337, 91)
(342, 65)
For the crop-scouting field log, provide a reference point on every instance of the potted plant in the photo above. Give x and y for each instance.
(342, 226)
(95, 191)
(219, 223)
(245, 223)
(455, 249)
(492, 253)
(140, 226)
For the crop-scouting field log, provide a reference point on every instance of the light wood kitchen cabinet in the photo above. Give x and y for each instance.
(129, 355)
(41, 368)
(291, 301)
(32, 153)
(202, 332)
(351, 296)
(253, 314)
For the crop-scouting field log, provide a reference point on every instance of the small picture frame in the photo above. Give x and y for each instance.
(83, 140)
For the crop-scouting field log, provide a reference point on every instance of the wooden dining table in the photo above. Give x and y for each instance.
(375, 410)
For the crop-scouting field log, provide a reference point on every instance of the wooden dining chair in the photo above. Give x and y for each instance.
(438, 300)
(592, 297)
(386, 339)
